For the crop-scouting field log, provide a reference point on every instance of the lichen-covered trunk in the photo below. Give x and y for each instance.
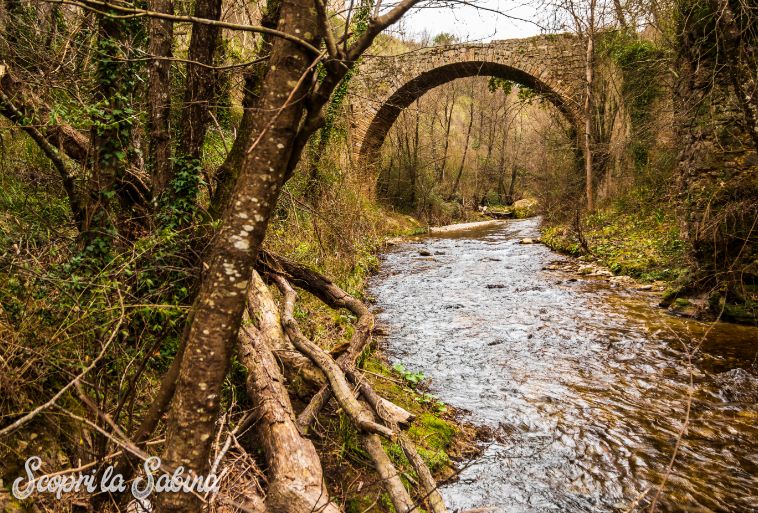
(221, 301)
(226, 176)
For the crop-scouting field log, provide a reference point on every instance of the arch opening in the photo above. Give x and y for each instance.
(389, 111)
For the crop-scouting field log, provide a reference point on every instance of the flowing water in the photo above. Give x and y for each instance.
(588, 385)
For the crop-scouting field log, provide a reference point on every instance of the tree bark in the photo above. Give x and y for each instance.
(201, 80)
(263, 310)
(221, 300)
(161, 34)
(362, 417)
(389, 474)
(65, 138)
(111, 135)
(588, 105)
(227, 174)
(274, 146)
(324, 289)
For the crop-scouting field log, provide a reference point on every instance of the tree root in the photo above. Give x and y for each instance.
(337, 380)
(389, 474)
(427, 481)
(265, 314)
(324, 289)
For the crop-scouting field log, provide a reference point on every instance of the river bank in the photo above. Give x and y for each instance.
(442, 436)
(644, 250)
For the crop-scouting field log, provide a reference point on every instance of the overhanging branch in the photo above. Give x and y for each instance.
(135, 12)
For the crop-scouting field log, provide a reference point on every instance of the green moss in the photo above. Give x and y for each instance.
(386, 502)
(744, 311)
(632, 237)
(432, 431)
(669, 295)
(436, 460)
(557, 238)
(350, 446)
(358, 504)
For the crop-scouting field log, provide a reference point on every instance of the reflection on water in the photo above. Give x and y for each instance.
(587, 383)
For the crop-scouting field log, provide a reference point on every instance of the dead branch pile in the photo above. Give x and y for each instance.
(274, 351)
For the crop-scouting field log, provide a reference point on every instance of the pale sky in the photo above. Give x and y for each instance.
(471, 24)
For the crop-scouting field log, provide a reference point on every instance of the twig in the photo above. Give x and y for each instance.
(29, 416)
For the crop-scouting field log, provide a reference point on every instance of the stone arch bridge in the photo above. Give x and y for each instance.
(552, 65)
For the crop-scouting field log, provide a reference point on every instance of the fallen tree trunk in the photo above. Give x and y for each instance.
(9, 110)
(296, 482)
(389, 412)
(347, 397)
(264, 311)
(62, 137)
(394, 416)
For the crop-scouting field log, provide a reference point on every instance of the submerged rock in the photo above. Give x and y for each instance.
(738, 385)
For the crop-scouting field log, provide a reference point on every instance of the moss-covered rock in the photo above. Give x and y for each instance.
(526, 207)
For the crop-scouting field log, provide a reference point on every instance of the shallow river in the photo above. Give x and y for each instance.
(586, 384)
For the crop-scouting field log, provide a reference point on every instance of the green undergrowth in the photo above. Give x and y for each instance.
(641, 242)
(56, 309)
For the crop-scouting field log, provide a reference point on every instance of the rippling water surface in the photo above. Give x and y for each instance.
(588, 384)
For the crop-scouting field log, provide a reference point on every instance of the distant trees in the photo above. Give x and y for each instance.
(471, 150)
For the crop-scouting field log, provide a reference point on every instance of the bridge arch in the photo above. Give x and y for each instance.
(551, 65)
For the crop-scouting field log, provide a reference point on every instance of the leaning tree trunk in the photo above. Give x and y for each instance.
(221, 301)
(227, 174)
